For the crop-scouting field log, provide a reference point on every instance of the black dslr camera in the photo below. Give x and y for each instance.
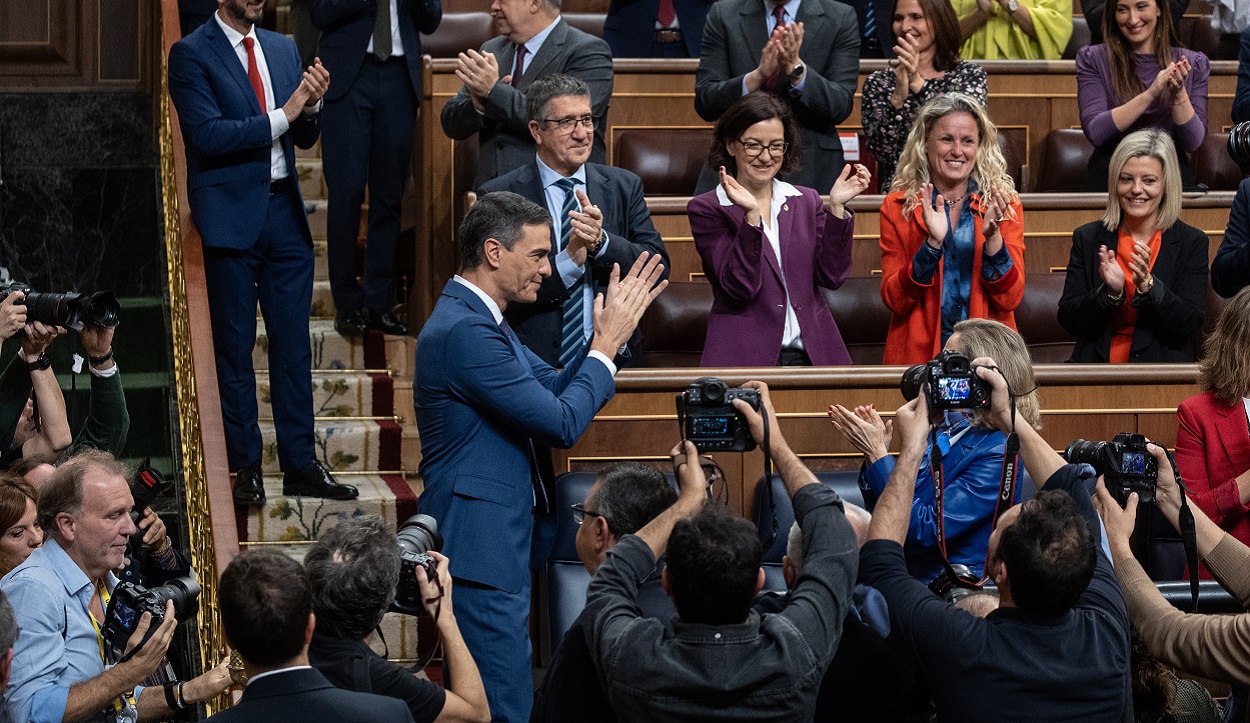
(1124, 463)
(67, 310)
(1239, 145)
(952, 384)
(708, 418)
(956, 583)
(146, 486)
(417, 536)
(129, 601)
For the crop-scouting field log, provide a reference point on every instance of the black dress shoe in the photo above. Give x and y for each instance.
(248, 490)
(314, 481)
(383, 321)
(350, 324)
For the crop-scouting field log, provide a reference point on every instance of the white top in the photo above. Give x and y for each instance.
(791, 335)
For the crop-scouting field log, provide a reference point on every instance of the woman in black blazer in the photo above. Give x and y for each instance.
(1137, 280)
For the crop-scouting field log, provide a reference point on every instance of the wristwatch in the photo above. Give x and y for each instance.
(797, 72)
(1013, 6)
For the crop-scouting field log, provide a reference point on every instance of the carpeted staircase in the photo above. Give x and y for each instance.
(365, 434)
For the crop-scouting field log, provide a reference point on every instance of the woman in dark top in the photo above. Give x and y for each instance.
(928, 66)
(1134, 80)
(1137, 280)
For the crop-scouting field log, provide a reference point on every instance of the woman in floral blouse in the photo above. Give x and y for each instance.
(928, 66)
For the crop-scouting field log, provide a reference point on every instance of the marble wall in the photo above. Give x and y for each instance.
(80, 202)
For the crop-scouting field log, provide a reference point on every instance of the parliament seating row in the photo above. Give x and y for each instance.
(1067, 152)
(674, 328)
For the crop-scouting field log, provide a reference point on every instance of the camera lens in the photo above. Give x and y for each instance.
(101, 309)
(419, 534)
(714, 391)
(53, 309)
(185, 592)
(1084, 452)
(913, 380)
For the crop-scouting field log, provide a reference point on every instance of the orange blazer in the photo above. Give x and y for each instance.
(915, 334)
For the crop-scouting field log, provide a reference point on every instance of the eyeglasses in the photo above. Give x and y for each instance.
(566, 125)
(580, 512)
(754, 148)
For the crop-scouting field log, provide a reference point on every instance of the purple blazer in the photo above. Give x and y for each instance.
(748, 311)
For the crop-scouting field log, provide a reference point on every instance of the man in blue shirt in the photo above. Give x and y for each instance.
(60, 595)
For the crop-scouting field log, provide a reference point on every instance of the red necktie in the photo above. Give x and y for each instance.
(520, 65)
(253, 73)
(779, 12)
(667, 13)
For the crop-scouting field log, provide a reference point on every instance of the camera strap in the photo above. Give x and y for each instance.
(119, 703)
(1189, 534)
(1006, 494)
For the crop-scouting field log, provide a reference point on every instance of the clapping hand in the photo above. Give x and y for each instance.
(997, 209)
(934, 212)
(741, 197)
(479, 72)
(1109, 270)
(864, 429)
(791, 42)
(617, 313)
(587, 228)
(848, 186)
(907, 71)
(1178, 72)
(1139, 265)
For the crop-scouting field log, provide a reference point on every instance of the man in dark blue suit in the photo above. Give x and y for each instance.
(606, 222)
(373, 50)
(655, 28)
(484, 403)
(243, 105)
(266, 611)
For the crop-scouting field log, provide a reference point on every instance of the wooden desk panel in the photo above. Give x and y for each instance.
(1080, 401)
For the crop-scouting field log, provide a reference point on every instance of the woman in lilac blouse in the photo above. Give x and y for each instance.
(1137, 80)
(928, 66)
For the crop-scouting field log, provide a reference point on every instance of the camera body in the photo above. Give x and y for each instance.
(417, 536)
(68, 310)
(711, 421)
(1124, 462)
(146, 486)
(953, 588)
(129, 601)
(952, 383)
(1239, 145)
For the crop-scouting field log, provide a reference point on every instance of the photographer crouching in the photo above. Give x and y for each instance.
(355, 570)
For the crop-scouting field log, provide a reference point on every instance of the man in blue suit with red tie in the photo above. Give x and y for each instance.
(485, 403)
(243, 104)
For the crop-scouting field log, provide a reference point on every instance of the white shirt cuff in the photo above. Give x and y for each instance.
(103, 373)
(277, 124)
(606, 361)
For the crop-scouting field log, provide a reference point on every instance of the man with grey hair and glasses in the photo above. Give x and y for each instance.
(599, 218)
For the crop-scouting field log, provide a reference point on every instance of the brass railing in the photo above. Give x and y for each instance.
(210, 515)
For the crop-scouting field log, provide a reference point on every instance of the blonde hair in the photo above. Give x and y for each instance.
(986, 337)
(990, 169)
(1152, 143)
(1224, 369)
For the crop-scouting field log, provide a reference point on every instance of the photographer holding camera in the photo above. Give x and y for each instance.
(354, 570)
(720, 659)
(61, 594)
(1210, 646)
(1057, 647)
(972, 454)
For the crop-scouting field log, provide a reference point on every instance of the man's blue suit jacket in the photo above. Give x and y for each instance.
(618, 194)
(227, 134)
(347, 27)
(296, 696)
(629, 26)
(481, 402)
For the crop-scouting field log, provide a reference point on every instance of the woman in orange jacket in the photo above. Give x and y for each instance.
(952, 231)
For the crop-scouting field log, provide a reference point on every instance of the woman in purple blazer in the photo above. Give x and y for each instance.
(768, 247)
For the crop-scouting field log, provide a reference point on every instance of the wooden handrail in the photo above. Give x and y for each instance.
(210, 509)
(1035, 201)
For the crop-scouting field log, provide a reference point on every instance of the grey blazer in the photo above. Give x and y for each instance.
(504, 141)
(735, 34)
